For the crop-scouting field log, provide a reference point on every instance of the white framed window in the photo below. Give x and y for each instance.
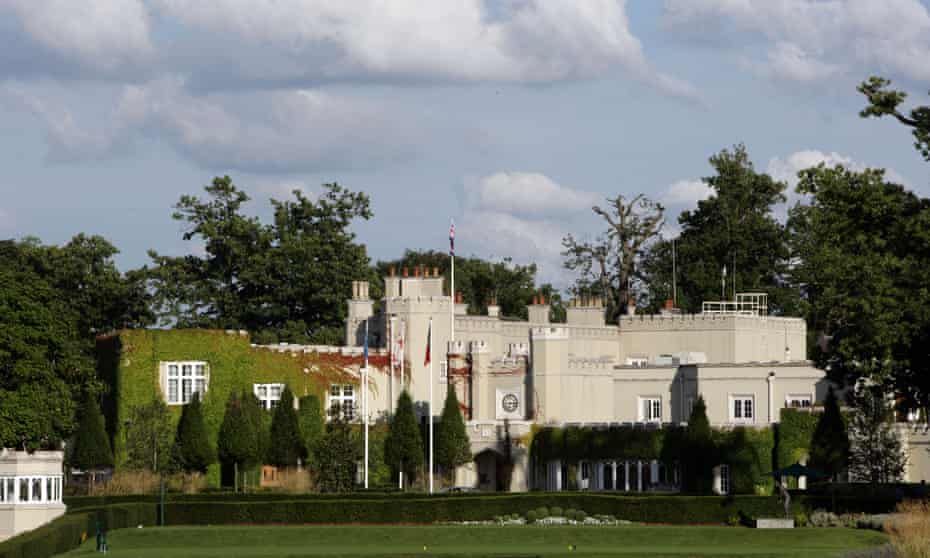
(742, 408)
(637, 361)
(342, 396)
(650, 409)
(268, 394)
(443, 372)
(724, 479)
(184, 379)
(799, 400)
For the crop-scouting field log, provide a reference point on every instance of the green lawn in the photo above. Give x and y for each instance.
(369, 540)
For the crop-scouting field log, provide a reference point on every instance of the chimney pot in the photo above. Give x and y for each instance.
(435, 272)
(391, 271)
(669, 304)
(535, 300)
(416, 271)
(405, 271)
(542, 299)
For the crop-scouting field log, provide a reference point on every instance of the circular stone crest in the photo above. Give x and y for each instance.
(510, 403)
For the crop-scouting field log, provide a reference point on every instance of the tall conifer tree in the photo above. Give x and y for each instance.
(193, 450)
(830, 442)
(92, 448)
(286, 445)
(452, 445)
(403, 448)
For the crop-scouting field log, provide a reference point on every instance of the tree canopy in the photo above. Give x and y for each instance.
(287, 445)
(193, 451)
(92, 448)
(283, 281)
(734, 228)
(884, 101)
(862, 246)
(403, 449)
(452, 444)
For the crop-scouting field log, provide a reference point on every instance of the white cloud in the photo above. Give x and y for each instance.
(816, 39)
(100, 34)
(524, 215)
(526, 193)
(525, 41)
(686, 192)
(270, 131)
(786, 168)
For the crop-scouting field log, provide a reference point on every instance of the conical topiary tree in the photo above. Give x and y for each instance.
(452, 445)
(193, 450)
(286, 446)
(312, 426)
(830, 442)
(403, 448)
(92, 448)
(700, 455)
(237, 442)
(337, 455)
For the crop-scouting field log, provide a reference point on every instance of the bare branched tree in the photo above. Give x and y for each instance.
(607, 266)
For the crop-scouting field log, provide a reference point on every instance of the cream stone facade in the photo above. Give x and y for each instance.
(30, 490)
(646, 369)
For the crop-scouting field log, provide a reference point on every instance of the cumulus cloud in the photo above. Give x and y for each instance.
(526, 193)
(526, 41)
(266, 131)
(810, 40)
(103, 35)
(523, 215)
(686, 192)
(786, 168)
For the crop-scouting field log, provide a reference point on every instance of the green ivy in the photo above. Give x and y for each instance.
(795, 430)
(128, 362)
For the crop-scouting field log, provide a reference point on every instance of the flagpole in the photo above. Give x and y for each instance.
(393, 395)
(452, 282)
(365, 400)
(403, 336)
(430, 404)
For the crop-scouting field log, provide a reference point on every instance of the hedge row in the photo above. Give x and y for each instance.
(67, 532)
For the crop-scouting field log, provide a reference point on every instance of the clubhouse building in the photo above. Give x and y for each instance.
(511, 377)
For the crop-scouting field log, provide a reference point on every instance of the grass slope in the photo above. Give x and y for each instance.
(295, 541)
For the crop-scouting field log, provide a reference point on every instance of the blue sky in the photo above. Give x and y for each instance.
(512, 117)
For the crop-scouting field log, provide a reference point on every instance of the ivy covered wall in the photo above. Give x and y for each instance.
(128, 363)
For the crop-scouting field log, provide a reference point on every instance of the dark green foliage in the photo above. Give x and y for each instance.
(877, 454)
(748, 452)
(403, 448)
(735, 227)
(795, 429)
(863, 247)
(238, 442)
(479, 281)
(193, 451)
(336, 454)
(312, 425)
(256, 276)
(699, 451)
(259, 422)
(286, 445)
(830, 442)
(885, 102)
(91, 444)
(452, 444)
(149, 437)
(609, 265)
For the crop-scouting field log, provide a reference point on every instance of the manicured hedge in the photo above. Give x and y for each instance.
(68, 531)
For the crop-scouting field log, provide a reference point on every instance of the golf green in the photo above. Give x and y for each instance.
(373, 540)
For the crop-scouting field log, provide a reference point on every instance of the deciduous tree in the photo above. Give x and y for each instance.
(149, 437)
(608, 265)
(876, 455)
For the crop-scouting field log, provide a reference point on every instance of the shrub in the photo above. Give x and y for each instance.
(822, 518)
(910, 530)
(801, 519)
(555, 511)
(542, 512)
(532, 516)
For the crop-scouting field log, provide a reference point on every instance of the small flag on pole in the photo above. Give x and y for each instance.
(452, 238)
(429, 333)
